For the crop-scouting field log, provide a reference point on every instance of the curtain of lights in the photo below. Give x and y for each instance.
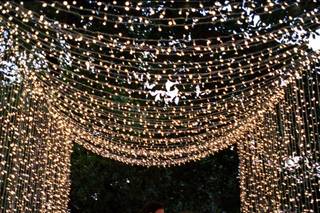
(35, 154)
(160, 84)
(279, 161)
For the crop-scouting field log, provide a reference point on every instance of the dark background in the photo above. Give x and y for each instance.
(102, 185)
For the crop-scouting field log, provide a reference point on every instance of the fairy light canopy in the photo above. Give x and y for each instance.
(160, 83)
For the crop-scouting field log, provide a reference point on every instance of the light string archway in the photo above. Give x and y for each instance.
(157, 85)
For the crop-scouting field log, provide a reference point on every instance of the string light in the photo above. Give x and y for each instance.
(279, 162)
(35, 154)
(158, 85)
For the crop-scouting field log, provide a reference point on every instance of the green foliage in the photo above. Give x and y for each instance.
(102, 185)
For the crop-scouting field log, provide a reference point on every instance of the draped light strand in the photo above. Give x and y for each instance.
(35, 154)
(280, 163)
(160, 84)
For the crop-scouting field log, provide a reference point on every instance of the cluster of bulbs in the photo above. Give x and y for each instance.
(152, 84)
(35, 153)
(164, 99)
(279, 160)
